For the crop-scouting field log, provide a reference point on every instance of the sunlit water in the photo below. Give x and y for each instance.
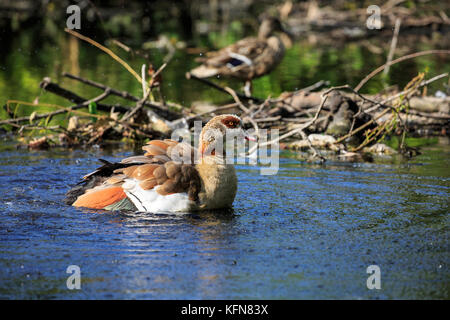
(308, 232)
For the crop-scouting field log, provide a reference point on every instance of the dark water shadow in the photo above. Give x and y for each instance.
(136, 218)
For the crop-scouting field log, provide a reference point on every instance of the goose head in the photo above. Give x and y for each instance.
(214, 134)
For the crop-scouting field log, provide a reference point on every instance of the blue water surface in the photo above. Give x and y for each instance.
(309, 232)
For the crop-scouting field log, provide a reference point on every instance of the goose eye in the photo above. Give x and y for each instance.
(230, 123)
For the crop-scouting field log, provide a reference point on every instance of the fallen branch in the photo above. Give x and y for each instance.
(138, 107)
(422, 84)
(159, 109)
(409, 56)
(228, 106)
(106, 50)
(393, 45)
(49, 86)
(216, 86)
(302, 127)
(236, 99)
(314, 150)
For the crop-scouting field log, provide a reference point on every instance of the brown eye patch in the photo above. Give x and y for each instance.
(231, 122)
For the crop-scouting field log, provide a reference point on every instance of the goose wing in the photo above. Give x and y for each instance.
(160, 169)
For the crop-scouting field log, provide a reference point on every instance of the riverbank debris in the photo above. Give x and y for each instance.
(317, 118)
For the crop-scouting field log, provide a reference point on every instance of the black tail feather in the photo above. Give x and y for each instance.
(94, 179)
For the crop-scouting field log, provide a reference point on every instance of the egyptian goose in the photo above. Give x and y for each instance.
(159, 181)
(248, 58)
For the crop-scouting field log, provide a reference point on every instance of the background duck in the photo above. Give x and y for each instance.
(248, 58)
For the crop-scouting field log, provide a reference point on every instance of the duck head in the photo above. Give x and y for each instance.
(270, 25)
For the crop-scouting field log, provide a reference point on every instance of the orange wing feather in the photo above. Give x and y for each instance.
(99, 199)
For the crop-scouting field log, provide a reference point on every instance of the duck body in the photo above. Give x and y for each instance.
(248, 58)
(159, 182)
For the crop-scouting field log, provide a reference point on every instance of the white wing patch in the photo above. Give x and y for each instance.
(240, 57)
(152, 201)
